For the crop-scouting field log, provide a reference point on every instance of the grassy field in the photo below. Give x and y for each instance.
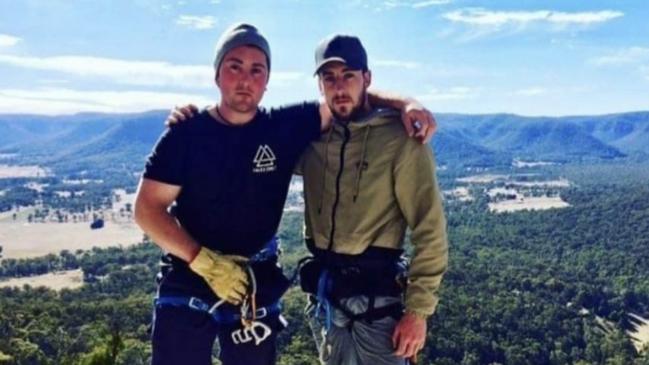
(21, 240)
(528, 203)
(71, 279)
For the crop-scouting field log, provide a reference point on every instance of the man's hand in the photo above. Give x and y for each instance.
(418, 121)
(223, 273)
(180, 114)
(409, 336)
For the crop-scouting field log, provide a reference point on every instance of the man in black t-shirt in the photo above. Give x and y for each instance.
(228, 172)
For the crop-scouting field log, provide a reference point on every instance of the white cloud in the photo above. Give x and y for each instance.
(142, 73)
(54, 101)
(197, 22)
(484, 17)
(454, 93)
(584, 18)
(391, 4)
(532, 91)
(626, 56)
(424, 4)
(415, 4)
(635, 58)
(136, 73)
(396, 64)
(7, 40)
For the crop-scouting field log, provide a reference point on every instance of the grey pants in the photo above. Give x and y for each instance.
(358, 342)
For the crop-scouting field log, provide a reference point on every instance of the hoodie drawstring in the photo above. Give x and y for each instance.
(324, 171)
(361, 163)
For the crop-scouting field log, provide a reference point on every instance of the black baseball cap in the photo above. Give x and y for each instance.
(341, 48)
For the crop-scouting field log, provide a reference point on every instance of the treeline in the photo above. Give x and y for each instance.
(107, 321)
(533, 287)
(104, 322)
(94, 263)
(80, 199)
(549, 287)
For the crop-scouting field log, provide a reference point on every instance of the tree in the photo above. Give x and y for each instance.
(134, 353)
(27, 353)
(106, 353)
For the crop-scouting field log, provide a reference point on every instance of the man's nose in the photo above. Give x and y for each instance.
(245, 77)
(339, 85)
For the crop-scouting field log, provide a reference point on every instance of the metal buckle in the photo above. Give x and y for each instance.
(195, 303)
(261, 312)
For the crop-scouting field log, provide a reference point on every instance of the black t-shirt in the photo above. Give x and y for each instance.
(234, 179)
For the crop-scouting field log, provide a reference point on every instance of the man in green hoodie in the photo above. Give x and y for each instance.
(365, 183)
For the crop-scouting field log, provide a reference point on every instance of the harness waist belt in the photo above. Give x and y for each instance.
(219, 315)
(388, 279)
(372, 256)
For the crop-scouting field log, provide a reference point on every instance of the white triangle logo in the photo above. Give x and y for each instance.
(264, 159)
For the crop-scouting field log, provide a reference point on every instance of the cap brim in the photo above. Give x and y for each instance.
(327, 60)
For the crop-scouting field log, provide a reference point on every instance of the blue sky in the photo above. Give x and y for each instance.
(520, 56)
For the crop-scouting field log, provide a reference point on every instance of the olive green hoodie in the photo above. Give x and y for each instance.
(351, 205)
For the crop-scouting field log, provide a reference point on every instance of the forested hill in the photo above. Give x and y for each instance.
(82, 141)
(558, 286)
(79, 141)
(557, 139)
(554, 287)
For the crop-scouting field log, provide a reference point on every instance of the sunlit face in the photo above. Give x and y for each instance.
(242, 78)
(344, 90)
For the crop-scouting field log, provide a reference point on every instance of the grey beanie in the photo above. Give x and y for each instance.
(240, 34)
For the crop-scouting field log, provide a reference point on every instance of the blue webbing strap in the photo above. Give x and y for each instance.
(269, 251)
(323, 303)
(221, 316)
(218, 315)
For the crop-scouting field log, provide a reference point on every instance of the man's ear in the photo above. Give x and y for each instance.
(367, 78)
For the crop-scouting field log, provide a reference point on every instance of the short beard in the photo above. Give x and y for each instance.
(242, 107)
(357, 111)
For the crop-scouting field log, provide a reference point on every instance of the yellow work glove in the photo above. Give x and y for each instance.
(223, 273)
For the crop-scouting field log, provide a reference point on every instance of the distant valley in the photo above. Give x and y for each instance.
(548, 220)
(112, 142)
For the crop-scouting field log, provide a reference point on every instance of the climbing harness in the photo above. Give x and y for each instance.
(249, 314)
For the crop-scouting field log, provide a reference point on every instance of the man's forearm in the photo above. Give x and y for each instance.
(165, 231)
(420, 202)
